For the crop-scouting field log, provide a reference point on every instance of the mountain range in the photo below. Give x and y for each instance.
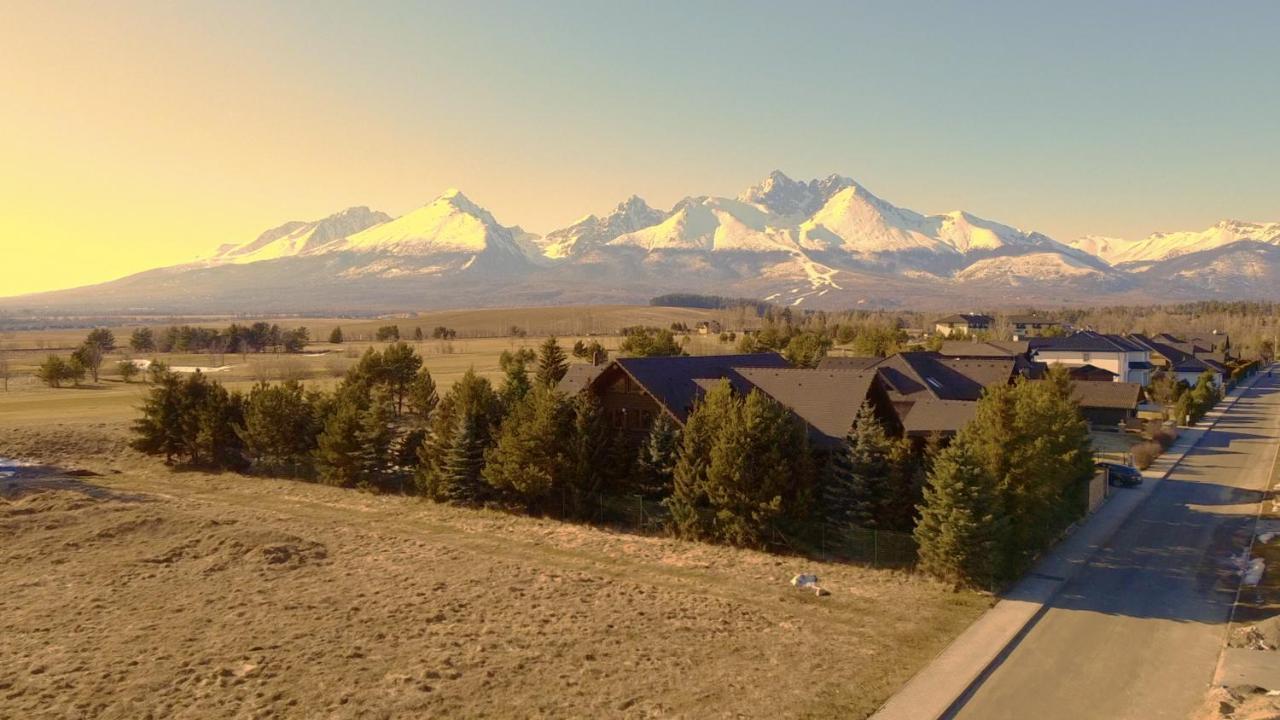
(824, 243)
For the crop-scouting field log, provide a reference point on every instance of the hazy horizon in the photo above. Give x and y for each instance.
(137, 136)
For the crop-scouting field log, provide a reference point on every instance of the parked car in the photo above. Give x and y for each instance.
(1121, 475)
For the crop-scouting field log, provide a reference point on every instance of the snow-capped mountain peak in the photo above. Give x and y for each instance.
(781, 195)
(300, 237)
(1161, 246)
(592, 232)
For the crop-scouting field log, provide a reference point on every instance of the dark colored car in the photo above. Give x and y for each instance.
(1121, 475)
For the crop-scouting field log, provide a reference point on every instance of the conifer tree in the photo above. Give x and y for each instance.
(859, 484)
(335, 337)
(280, 427)
(423, 396)
(688, 504)
(470, 395)
(158, 427)
(338, 448)
(587, 453)
(374, 437)
(961, 523)
(656, 460)
(463, 461)
(527, 458)
(552, 363)
(515, 367)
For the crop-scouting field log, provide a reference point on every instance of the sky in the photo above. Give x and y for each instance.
(136, 135)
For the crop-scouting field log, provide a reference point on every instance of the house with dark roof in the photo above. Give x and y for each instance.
(963, 324)
(1091, 373)
(1032, 325)
(1181, 359)
(634, 391)
(1129, 360)
(1108, 403)
(1018, 350)
(932, 393)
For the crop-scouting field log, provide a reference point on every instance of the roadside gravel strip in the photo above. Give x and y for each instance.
(942, 686)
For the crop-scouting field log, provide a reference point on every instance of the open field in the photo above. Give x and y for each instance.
(145, 592)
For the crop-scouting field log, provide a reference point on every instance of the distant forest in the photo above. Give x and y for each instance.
(710, 302)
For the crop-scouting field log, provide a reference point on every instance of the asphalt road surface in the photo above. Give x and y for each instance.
(1137, 633)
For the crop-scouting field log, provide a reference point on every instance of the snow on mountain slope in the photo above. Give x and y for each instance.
(711, 224)
(591, 232)
(1101, 246)
(449, 224)
(780, 195)
(1031, 267)
(297, 237)
(1163, 246)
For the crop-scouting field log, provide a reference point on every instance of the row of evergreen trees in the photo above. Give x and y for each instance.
(1008, 485)
(741, 471)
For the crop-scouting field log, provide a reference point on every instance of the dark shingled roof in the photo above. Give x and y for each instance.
(672, 380)
(967, 318)
(834, 362)
(990, 348)
(578, 377)
(827, 400)
(1113, 395)
(931, 415)
(1031, 320)
(1089, 341)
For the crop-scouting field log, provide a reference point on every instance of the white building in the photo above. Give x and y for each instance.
(1129, 361)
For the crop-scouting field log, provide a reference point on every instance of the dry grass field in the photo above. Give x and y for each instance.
(144, 592)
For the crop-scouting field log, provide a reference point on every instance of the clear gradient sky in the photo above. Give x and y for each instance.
(134, 135)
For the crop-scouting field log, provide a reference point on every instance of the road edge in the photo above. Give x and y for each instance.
(941, 687)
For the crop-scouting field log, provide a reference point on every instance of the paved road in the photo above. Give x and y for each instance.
(1137, 633)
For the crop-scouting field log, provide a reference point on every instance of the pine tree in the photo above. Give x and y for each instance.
(514, 366)
(961, 523)
(335, 337)
(463, 461)
(656, 460)
(157, 429)
(588, 452)
(374, 436)
(280, 427)
(552, 363)
(423, 396)
(338, 447)
(858, 489)
(689, 507)
(470, 395)
(527, 458)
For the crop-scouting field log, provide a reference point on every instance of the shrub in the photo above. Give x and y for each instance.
(1145, 453)
(1164, 437)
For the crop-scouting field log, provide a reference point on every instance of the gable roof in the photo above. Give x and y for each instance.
(1031, 320)
(672, 381)
(989, 348)
(1112, 395)
(1079, 371)
(931, 415)
(847, 362)
(827, 400)
(1089, 341)
(966, 318)
(578, 377)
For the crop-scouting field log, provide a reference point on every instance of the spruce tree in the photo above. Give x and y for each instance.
(463, 461)
(960, 519)
(552, 363)
(374, 436)
(157, 430)
(335, 337)
(423, 396)
(471, 394)
(338, 449)
(587, 453)
(527, 458)
(691, 516)
(514, 367)
(859, 486)
(656, 460)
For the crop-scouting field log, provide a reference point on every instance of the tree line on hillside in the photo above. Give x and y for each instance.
(258, 337)
(741, 470)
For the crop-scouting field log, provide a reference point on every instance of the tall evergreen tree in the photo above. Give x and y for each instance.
(655, 463)
(280, 427)
(374, 437)
(423, 396)
(587, 453)
(338, 448)
(860, 484)
(552, 363)
(691, 516)
(527, 458)
(515, 368)
(335, 337)
(961, 523)
(471, 395)
(463, 461)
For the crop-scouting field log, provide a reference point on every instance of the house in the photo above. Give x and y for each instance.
(1185, 360)
(634, 391)
(1032, 325)
(709, 327)
(1129, 360)
(1108, 403)
(1018, 350)
(931, 393)
(1091, 373)
(963, 324)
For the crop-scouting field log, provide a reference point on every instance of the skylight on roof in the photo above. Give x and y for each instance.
(933, 382)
